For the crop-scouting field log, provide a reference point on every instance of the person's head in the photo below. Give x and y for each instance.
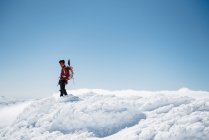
(62, 63)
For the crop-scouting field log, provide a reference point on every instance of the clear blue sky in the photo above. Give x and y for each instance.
(113, 44)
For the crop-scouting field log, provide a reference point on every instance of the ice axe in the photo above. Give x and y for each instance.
(68, 62)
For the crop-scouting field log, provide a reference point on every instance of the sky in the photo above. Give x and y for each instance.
(112, 44)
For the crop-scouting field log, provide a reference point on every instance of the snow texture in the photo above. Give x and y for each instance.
(9, 113)
(93, 114)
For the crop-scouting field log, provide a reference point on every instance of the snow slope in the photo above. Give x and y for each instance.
(9, 113)
(93, 114)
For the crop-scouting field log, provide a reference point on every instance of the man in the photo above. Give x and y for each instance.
(64, 77)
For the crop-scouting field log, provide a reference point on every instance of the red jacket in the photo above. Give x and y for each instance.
(65, 73)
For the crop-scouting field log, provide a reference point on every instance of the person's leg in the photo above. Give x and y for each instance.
(62, 88)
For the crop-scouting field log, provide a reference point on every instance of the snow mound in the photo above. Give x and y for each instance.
(10, 112)
(109, 115)
(69, 98)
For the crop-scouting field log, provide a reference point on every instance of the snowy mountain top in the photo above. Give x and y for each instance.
(143, 93)
(95, 114)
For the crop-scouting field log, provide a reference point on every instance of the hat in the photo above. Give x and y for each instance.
(62, 61)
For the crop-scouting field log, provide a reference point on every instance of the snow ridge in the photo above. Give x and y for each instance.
(109, 115)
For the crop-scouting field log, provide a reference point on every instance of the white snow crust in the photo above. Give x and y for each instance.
(95, 114)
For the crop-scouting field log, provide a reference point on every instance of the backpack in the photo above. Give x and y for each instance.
(71, 73)
(67, 72)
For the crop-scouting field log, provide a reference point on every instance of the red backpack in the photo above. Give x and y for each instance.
(69, 72)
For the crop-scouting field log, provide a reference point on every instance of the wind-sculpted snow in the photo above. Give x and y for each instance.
(114, 115)
(9, 109)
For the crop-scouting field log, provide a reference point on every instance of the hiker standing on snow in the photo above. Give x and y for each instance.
(65, 75)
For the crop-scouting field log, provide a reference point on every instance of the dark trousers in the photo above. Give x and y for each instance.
(62, 88)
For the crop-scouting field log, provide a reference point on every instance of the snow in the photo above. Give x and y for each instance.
(95, 114)
(10, 113)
